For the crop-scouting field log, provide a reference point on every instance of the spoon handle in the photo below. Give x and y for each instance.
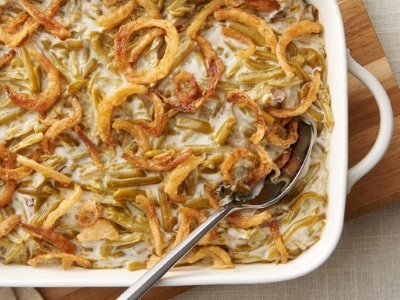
(144, 283)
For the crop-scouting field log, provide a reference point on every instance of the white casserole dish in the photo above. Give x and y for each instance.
(340, 182)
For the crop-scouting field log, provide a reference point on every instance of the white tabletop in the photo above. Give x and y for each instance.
(366, 263)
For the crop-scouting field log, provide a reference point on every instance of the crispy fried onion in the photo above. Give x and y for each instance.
(107, 104)
(149, 208)
(49, 23)
(101, 229)
(297, 29)
(59, 126)
(304, 104)
(7, 160)
(163, 67)
(52, 237)
(45, 100)
(13, 37)
(230, 161)
(7, 57)
(202, 16)
(215, 69)
(274, 228)
(65, 205)
(244, 53)
(178, 175)
(236, 218)
(263, 5)
(45, 170)
(156, 126)
(121, 13)
(186, 88)
(18, 172)
(237, 96)
(221, 259)
(67, 260)
(238, 15)
(143, 42)
(283, 132)
(186, 215)
(94, 153)
(263, 168)
(136, 131)
(9, 224)
(165, 161)
(89, 212)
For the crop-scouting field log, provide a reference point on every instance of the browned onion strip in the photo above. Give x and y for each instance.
(305, 103)
(263, 5)
(13, 25)
(283, 133)
(274, 228)
(263, 169)
(257, 23)
(94, 153)
(178, 175)
(45, 100)
(9, 224)
(7, 57)
(207, 10)
(229, 32)
(143, 42)
(45, 170)
(67, 260)
(60, 125)
(168, 162)
(155, 127)
(230, 161)
(19, 172)
(136, 131)
(50, 24)
(164, 65)
(149, 209)
(237, 96)
(117, 16)
(7, 160)
(30, 25)
(215, 69)
(51, 236)
(188, 214)
(106, 106)
(186, 88)
(221, 259)
(297, 29)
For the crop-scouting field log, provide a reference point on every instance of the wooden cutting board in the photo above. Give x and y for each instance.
(375, 190)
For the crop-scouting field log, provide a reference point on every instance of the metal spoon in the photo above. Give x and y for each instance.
(264, 195)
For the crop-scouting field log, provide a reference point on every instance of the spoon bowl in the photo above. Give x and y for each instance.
(263, 195)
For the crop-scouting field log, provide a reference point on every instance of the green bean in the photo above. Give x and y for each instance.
(89, 67)
(125, 170)
(135, 181)
(136, 265)
(70, 44)
(127, 239)
(6, 115)
(223, 132)
(33, 80)
(260, 76)
(194, 124)
(76, 85)
(197, 202)
(226, 86)
(167, 219)
(30, 140)
(250, 32)
(127, 194)
(130, 223)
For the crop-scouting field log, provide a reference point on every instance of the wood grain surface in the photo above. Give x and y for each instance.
(375, 190)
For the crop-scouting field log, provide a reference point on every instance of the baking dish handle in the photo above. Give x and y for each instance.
(385, 126)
